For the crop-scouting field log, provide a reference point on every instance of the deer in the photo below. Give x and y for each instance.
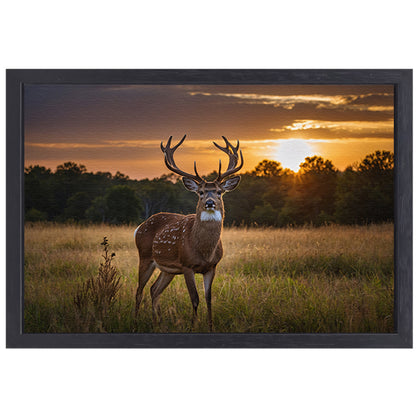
(187, 244)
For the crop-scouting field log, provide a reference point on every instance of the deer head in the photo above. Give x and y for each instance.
(210, 205)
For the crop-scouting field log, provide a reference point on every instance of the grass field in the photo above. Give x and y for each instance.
(328, 279)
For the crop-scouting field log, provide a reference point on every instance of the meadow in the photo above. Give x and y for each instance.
(328, 279)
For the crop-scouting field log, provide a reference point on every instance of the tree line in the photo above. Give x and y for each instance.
(267, 196)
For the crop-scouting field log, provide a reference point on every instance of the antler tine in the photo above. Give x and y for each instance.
(232, 153)
(224, 149)
(170, 162)
(196, 172)
(163, 148)
(234, 149)
(180, 142)
(169, 142)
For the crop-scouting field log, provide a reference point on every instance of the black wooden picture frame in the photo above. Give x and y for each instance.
(402, 81)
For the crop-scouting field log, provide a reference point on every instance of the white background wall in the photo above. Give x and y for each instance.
(215, 34)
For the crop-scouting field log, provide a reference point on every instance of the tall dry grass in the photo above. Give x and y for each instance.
(328, 279)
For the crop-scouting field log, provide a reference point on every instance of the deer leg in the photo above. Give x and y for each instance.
(193, 293)
(208, 278)
(156, 290)
(146, 269)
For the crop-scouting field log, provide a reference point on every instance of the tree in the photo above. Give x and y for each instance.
(67, 181)
(39, 192)
(378, 162)
(239, 205)
(70, 169)
(316, 164)
(268, 168)
(123, 206)
(271, 185)
(365, 192)
(77, 206)
(97, 211)
(159, 195)
(311, 199)
(265, 215)
(121, 178)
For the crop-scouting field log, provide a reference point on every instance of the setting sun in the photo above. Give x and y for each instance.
(292, 152)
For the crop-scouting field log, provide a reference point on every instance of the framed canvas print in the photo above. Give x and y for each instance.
(209, 208)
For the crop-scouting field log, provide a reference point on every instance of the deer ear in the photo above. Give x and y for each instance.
(230, 184)
(190, 184)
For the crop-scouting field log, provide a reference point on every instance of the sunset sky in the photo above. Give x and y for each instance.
(119, 128)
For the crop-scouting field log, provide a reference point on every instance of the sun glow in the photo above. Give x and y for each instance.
(292, 152)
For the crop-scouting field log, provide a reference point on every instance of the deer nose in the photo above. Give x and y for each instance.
(210, 204)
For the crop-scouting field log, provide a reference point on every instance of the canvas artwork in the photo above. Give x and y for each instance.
(208, 208)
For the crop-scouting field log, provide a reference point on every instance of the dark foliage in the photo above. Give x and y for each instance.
(267, 196)
(365, 192)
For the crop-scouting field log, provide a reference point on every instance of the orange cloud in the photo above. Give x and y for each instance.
(382, 126)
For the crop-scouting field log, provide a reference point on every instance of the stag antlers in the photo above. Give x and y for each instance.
(229, 149)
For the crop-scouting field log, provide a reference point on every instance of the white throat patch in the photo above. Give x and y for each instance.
(211, 215)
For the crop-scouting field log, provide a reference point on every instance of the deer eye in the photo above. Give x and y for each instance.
(201, 193)
(219, 193)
